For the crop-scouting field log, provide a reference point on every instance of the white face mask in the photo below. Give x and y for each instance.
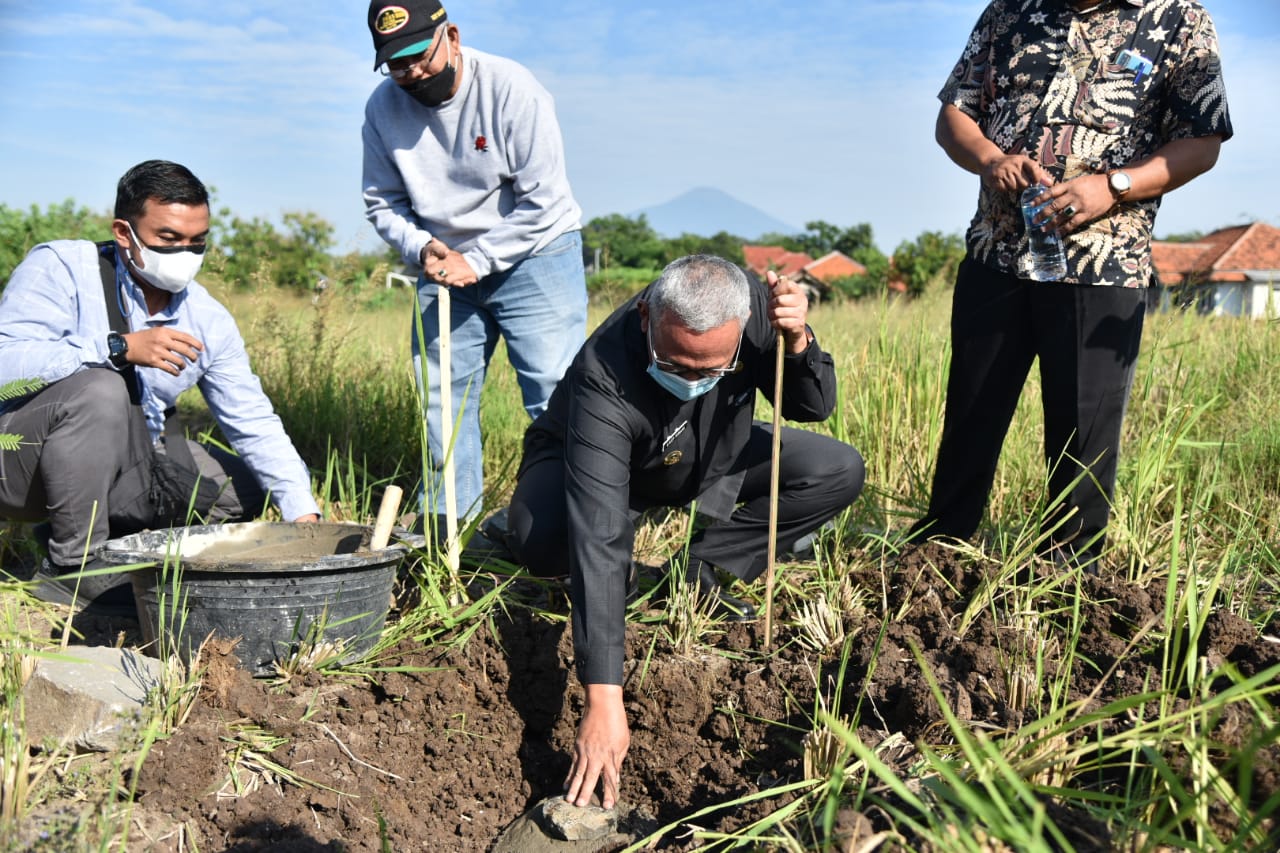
(171, 268)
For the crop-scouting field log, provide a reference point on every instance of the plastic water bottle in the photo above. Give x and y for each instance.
(1048, 261)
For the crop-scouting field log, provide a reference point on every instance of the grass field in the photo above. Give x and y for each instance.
(1204, 414)
(1197, 515)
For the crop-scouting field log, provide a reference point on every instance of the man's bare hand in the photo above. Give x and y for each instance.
(788, 310)
(603, 740)
(1012, 173)
(445, 266)
(162, 347)
(1077, 202)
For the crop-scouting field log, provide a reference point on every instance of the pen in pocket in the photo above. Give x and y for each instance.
(1131, 60)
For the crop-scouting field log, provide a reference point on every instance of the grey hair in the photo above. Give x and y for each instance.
(702, 292)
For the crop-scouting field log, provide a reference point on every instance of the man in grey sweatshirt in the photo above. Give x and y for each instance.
(464, 175)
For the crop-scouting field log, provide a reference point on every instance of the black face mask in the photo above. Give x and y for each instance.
(438, 88)
(434, 90)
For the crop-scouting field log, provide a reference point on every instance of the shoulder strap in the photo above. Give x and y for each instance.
(175, 439)
(110, 292)
(111, 297)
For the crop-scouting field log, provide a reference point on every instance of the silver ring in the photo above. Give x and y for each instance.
(1069, 210)
(442, 272)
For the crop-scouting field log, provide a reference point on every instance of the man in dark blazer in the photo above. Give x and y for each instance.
(656, 410)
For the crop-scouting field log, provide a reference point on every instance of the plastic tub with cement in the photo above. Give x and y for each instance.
(273, 585)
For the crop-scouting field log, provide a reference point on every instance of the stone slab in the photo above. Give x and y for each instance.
(88, 696)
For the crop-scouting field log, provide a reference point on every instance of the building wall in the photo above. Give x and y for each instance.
(1256, 300)
(1264, 300)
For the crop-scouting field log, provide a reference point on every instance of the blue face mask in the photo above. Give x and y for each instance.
(682, 388)
(685, 389)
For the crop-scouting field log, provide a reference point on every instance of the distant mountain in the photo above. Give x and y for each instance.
(706, 211)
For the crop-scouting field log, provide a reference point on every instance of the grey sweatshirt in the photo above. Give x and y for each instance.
(483, 172)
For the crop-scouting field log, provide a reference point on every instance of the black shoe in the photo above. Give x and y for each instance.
(495, 526)
(106, 593)
(488, 542)
(703, 574)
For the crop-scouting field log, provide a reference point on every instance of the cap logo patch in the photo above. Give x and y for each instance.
(390, 19)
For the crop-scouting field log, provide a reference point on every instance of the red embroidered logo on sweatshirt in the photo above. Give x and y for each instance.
(482, 144)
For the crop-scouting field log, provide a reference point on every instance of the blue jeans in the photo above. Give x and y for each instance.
(539, 307)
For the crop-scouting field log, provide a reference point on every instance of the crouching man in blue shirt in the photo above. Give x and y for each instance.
(111, 334)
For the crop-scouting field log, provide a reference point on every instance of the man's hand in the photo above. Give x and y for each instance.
(1012, 173)
(966, 145)
(788, 310)
(1076, 202)
(445, 266)
(603, 740)
(1079, 201)
(162, 347)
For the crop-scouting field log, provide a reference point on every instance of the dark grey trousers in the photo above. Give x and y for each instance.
(85, 465)
(818, 477)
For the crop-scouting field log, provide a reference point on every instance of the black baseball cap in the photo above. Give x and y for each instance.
(404, 28)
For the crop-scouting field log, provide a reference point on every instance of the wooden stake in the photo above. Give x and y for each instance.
(445, 308)
(774, 457)
(386, 518)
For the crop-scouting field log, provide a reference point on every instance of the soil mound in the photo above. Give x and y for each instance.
(447, 747)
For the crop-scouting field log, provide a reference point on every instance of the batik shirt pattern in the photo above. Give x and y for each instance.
(1086, 92)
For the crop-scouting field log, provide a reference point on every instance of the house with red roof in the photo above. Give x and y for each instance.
(815, 276)
(1230, 272)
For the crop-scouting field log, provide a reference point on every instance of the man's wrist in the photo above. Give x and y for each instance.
(800, 343)
(1119, 184)
(597, 693)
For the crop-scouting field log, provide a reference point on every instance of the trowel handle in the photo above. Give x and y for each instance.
(386, 517)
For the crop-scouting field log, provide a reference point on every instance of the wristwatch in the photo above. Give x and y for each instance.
(117, 346)
(1119, 182)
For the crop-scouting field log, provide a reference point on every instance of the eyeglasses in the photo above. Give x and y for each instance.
(193, 248)
(398, 69)
(734, 366)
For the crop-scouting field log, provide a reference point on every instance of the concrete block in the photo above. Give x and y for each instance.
(88, 696)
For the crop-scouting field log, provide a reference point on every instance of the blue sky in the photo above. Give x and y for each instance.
(808, 110)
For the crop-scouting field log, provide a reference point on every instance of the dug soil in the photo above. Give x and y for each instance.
(445, 747)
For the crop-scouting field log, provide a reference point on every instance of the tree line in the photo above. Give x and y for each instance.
(244, 252)
(296, 254)
(632, 243)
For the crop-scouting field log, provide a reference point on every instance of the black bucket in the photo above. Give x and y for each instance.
(273, 585)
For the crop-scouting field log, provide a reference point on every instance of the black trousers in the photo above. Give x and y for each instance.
(1087, 340)
(818, 476)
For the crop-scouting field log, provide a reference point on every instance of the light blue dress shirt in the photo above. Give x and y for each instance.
(53, 323)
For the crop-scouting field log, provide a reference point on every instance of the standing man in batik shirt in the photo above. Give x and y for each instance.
(1110, 104)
